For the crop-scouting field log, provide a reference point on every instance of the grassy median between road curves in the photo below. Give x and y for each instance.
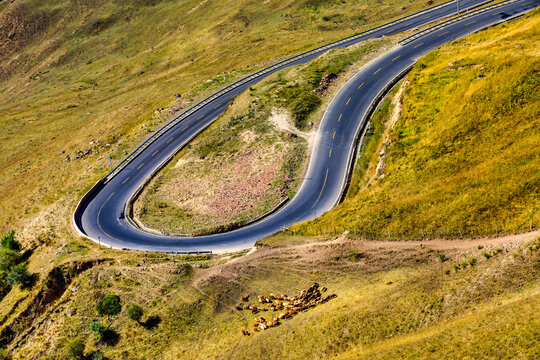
(121, 64)
(463, 157)
(254, 156)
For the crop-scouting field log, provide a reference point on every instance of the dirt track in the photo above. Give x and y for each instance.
(399, 252)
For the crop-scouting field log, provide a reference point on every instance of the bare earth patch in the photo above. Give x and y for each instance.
(201, 193)
(397, 102)
(395, 253)
(240, 181)
(281, 120)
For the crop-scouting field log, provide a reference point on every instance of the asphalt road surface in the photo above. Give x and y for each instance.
(101, 216)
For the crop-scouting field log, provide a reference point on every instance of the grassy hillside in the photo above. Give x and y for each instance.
(80, 76)
(77, 76)
(463, 158)
(394, 300)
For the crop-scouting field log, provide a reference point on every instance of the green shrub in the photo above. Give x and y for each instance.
(355, 255)
(97, 355)
(303, 105)
(98, 329)
(19, 275)
(74, 349)
(8, 259)
(109, 305)
(442, 257)
(8, 241)
(135, 312)
(489, 254)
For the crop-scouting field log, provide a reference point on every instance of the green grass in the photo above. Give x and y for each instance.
(97, 72)
(392, 302)
(76, 73)
(507, 332)
(223, 151)
(72, 74)
(463, 157)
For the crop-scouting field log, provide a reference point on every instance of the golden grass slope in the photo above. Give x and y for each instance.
(394, 300)
(72, 73)
(465, 153)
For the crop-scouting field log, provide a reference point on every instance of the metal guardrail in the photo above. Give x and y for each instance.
(419, 34)
(97, 186)
(365, 119)
(242, 81)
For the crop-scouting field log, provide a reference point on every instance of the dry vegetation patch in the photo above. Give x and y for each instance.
(383, 289)
(461, 159)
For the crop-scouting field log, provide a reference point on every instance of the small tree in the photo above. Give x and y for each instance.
(135, 312)
(74, 349)
(109, 305)
(98, 329)
(8, 259)
(19, 275)
(8, 241)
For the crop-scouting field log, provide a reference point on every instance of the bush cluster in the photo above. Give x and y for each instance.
(13, 270)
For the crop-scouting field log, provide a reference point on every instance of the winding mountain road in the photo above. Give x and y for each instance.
(101, 214)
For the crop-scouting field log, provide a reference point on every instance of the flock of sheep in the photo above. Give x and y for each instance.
(292, 305)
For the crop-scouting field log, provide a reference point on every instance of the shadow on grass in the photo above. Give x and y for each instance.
(152, 322)
(110, 337)
(30, 282)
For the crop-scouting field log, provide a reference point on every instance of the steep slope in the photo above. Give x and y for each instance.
(463, 157)
(394, 300)
(253, 157)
